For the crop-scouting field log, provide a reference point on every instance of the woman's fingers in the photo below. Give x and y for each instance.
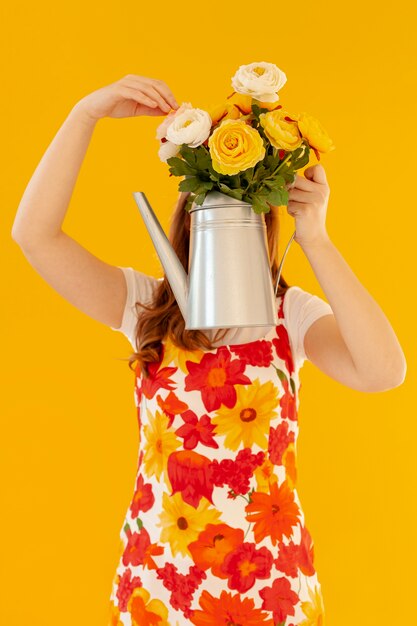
(163, 88)
(152, 92)
(133, 93)
(303, 183)
(155, 89)
(299, 195)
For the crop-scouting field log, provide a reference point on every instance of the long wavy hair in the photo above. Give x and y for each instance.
(162, 317)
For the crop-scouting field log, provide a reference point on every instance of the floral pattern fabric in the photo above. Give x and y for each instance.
(215, 533)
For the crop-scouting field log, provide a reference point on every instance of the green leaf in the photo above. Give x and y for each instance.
(257, 110)
(189, 184)
(236, 193)
(277, 181)
(269, 161)
(276, 161)
(248, 174)
(189, 202)
(224, 188)
(203, 158)
(200, 198)
(139, 522)
(235, 181)
(281, 375)
(204, 186)
(260, 171)
(178, 167)
(259, 205)
(189, 154)
(278, 197)
(213, 174)
(301, 158)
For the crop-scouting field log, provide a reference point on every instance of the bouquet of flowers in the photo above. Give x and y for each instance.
(248, 147)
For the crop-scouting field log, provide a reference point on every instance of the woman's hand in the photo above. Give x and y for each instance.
(307, 203)
(130, 96)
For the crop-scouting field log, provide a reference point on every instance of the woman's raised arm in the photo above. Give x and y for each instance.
(93, 286)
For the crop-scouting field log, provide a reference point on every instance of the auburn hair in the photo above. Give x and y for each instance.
(163, 318)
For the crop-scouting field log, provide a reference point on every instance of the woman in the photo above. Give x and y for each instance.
(215, 532)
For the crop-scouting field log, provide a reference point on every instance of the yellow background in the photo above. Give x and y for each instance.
(69, 433)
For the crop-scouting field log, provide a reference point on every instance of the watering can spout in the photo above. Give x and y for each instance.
(174, 270)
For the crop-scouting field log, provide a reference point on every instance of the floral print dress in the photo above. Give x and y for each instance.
(215, 533)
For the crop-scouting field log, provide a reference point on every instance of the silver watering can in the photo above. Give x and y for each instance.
(229, 281)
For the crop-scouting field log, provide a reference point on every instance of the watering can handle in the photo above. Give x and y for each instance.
(282, 261)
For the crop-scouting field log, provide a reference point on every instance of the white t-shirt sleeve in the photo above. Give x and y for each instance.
(140, 288)
(301, 309)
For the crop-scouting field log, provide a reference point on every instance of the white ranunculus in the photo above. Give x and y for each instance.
(166, 122)
(259, 80)
(167, 149)
(191, 126)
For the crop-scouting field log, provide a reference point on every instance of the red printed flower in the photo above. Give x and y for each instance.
(293, 556)
(196, 430)
(288, 557)
(236, 473)
(283, 348)
(158, 379)
(143, 497)
(306, 556)
(139, 549)
(280, 599)
(257, 353)
(182, 586)
(215, 377)
(189, 472)
(287, 402)
(171, 406)
(245, 564)
(279, 440)
(126, 584)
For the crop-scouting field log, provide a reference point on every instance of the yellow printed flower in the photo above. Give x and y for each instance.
(314, 610)
(248, 421)
(160, 442)
(145, 612)
(313, 131)
(181, 523)
(178, 356)
(282, 133)
(289, 460)
(235, 146)
(264, 475)
(114, 618)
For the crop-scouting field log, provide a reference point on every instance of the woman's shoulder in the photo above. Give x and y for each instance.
(140, 289)
(300, 309)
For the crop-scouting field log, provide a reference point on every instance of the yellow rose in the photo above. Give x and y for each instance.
(282, 133)
(241, 102)
(218, 112)
(234, 147)
(313, 131)
(236, 106)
